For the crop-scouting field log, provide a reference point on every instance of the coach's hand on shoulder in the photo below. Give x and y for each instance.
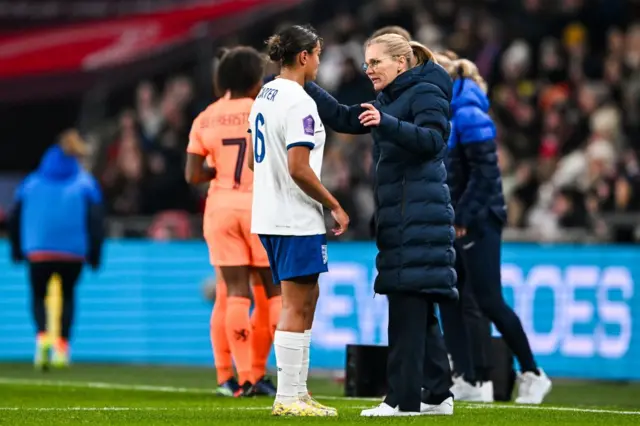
(342, 220)
(370, 117)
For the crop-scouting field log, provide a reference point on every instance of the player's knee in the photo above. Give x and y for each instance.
(238, 290)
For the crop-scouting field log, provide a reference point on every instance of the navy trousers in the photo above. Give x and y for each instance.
(467, 326)
(417, 354)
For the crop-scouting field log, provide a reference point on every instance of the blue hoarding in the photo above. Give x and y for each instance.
(577, 304)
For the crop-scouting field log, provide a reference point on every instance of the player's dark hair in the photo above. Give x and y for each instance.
(240, 70)
(284, 46)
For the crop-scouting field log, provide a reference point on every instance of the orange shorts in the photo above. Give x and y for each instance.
(231, 243)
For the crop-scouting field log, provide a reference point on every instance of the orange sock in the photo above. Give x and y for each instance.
(275, 306)
(239, 336)
(262, 337)
(218, 334)
(62, 345)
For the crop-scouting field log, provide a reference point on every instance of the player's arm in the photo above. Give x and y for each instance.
(304, 176)
(300, 141)
(196, 170)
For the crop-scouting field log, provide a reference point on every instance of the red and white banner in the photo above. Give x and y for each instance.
(102, 44)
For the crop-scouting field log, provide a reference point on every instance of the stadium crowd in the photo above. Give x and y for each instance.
(564, 79)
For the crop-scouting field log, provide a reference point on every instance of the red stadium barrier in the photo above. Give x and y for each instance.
(109, 43)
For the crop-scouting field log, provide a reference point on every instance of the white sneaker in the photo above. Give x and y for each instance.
(384, 410)
(465, 391)
(533, 388)
(445, 408)
(486, 389)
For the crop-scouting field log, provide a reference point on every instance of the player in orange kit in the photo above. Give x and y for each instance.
(216, 153)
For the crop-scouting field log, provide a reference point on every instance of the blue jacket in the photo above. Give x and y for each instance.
(414, 226)
(58, 209)
(472, 161)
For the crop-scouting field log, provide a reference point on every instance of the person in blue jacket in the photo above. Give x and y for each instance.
(476, 194)
(409, 122)
(57, 225)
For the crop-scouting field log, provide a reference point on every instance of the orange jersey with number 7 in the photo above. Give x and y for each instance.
(220, 134)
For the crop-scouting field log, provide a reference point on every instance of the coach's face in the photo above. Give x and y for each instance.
(381, 67)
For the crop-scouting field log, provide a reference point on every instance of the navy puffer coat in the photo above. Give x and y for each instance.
(414, 222)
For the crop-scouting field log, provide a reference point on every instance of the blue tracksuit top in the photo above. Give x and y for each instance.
(55, 203)
(474, 177)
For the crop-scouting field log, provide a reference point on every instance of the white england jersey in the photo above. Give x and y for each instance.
(284, 116)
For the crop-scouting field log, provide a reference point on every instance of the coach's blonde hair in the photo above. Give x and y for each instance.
(392, 29)
(466, 69)
(416, 53)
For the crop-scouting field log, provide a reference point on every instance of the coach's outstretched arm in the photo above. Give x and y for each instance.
(340, 118)
(426, 135)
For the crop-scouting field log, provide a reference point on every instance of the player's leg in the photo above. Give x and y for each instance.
(227, 383)
(262, 337)
(39, 275)
(296, 263)
(483, 268)
(69, 273)
(230, 254)
(310, 308)
(238, 322)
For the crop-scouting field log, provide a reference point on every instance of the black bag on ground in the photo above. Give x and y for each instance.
(366, 371)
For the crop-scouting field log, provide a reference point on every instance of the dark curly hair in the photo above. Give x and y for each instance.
(240, 70)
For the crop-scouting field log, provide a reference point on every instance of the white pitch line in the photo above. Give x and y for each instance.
(144, 388)
(201, 391)
(132, 408)
(548, 408)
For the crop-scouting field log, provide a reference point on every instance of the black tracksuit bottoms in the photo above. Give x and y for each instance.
(39, 274)
(417, 353)
(467, 324)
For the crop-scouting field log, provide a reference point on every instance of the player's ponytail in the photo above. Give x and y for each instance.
(275, 49)
(285, 46)
(464, 68)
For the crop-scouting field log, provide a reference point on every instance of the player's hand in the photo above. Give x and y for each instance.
(370, 117)
(342, 221)
(460, 231)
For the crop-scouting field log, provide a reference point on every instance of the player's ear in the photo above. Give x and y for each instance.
(304, 56)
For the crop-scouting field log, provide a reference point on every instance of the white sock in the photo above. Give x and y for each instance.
(288, 348)
(304, 371)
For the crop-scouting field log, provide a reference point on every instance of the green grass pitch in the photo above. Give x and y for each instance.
(136, 395)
